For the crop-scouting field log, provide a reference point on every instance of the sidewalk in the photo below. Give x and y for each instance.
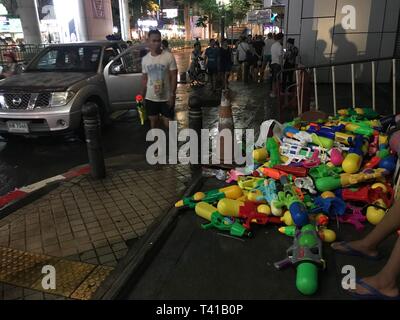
(83, 228)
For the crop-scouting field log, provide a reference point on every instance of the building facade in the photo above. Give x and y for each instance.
(344, 31)
(65, 21)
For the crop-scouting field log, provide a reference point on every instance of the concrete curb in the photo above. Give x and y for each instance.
(139, 256)
(20, 197)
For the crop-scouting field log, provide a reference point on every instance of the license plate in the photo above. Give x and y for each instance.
(18, 126)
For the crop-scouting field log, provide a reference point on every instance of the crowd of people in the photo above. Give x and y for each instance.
(218, 59)
(252, 56)
(256, 54)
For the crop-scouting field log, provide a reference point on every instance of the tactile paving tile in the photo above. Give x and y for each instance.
(22, 269)
(69, 276)
(92, 283)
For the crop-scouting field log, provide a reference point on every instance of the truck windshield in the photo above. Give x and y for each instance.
(71, 59)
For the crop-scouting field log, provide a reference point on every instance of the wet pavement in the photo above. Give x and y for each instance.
(83, 228)
(194, 263)
(27, 160)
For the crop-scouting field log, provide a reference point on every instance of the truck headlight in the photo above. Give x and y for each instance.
(3, 104)
(60, 99)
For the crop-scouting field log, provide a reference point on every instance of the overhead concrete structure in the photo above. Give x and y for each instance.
(125, 20)
(27, 10)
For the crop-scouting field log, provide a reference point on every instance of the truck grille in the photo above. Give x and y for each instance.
(17, 100)
(43, 100)
(23, 101)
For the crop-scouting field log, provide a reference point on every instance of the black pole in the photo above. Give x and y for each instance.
(196, 124)
(223, 23)
(222, 28)
(91, 123)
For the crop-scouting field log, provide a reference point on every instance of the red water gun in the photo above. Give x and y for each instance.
(368, 195)
(248, 212)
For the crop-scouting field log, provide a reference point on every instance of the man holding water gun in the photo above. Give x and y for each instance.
(159, 82)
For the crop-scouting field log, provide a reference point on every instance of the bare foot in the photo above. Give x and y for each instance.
(356, 245)
(385, 287)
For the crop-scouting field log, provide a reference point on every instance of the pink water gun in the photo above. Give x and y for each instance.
(233, 175)
(356, 218)
(313, 162)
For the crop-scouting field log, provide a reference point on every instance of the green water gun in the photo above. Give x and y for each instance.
(273, 151)
(306, 256)
(220, 222)
(367, 113)
(323, 171)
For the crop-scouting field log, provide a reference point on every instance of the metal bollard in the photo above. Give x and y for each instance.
(91, 123)
(196, 123)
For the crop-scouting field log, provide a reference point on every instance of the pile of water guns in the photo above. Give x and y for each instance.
(338, 170)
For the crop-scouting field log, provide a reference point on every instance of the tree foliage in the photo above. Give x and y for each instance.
(235, 11)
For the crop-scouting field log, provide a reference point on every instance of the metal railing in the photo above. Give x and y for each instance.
(333, 66)
(22, 53)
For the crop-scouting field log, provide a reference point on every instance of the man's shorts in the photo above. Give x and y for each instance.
(154, 108)
(212, 69)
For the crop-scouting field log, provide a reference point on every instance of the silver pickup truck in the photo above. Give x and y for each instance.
(48, 96)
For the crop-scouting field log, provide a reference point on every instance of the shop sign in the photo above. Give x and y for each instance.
(264, 16)
(10, 25)
(170, 13)
(252, 17)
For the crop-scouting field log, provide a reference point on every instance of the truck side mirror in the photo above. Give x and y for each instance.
(117, 68)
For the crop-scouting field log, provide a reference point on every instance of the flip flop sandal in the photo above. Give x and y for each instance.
(373, 294)
(355, 253)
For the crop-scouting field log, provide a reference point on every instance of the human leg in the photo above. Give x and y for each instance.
(369, 244)
(385, 281)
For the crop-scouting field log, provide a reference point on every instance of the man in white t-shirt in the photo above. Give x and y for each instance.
(159, 81)
(242, 50)
(276, 63)
(267, 52)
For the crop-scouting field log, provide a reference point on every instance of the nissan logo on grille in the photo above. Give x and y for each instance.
(16, 101)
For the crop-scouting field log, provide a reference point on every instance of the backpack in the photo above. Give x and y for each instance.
(249, 56)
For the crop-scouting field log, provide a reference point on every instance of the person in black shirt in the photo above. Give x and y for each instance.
(226, 62)
(258, 45)
(212, 62)
(290, 62)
